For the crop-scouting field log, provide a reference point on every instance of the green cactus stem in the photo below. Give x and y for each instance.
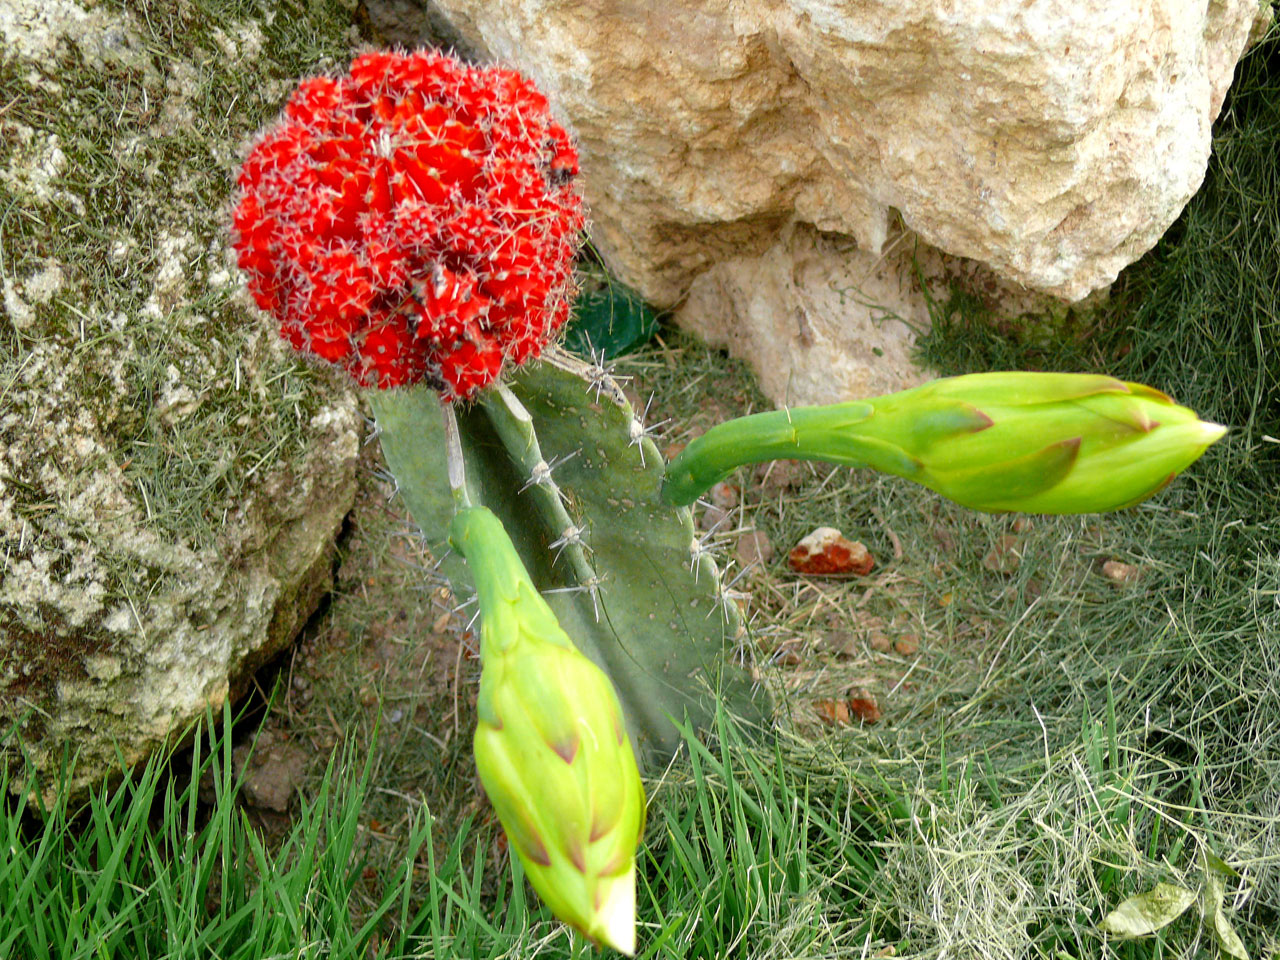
(1032, 442)
(514, 426)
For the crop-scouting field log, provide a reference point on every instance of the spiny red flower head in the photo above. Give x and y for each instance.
(413, 220)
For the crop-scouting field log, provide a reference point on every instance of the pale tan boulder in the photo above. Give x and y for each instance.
(820, 321)
(816, 318)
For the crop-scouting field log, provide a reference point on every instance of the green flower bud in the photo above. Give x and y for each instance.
(1032, 442)
(551, 746)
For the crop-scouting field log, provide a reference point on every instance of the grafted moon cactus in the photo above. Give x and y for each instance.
(414, 219)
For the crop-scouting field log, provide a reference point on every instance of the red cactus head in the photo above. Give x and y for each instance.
(413, 220)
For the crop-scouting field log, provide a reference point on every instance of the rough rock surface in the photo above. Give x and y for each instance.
(821, 321)
(410, 24)
(817, 319)
(171, 480)
(1055, 141)
(1051, 142)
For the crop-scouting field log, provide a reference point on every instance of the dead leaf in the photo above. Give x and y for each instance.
(834, 712)
(1216, 919)
(864, 707)
(1148, 912)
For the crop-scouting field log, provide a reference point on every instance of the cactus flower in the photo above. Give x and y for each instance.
(551, 746)
(414, 219)
(1031, 442)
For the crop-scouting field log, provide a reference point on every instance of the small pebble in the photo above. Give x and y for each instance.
(1121, 573)
(713, 518)
(842, 645)
(723, 495)
(1005, 556)
(779, 475)
(827, 551)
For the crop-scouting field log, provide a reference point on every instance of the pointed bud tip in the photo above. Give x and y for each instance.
(1211, 433)
(615, 920)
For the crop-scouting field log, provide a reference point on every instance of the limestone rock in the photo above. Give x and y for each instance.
(410, 24)
(171, 479)
(821, 321)
(1053, 142)
(817, 319)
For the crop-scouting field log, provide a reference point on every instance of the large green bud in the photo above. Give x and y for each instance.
(551, 746)
(1032, 442)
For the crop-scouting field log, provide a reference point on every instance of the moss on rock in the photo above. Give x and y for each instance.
(171, 478)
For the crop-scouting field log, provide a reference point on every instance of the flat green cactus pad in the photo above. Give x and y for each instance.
(630, 588)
